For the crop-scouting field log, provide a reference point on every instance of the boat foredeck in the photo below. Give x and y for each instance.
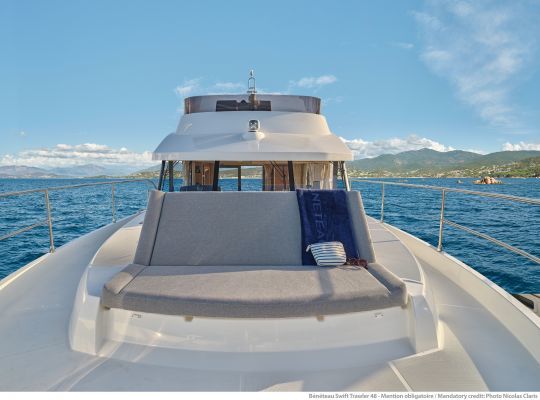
(478, 351)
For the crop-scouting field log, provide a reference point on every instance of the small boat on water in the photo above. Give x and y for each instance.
(208, 290)
(487, 180)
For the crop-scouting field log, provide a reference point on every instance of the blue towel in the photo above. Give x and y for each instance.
(324, 216)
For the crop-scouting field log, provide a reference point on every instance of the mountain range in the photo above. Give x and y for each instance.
(457, 163)
(22, 171)
(89, 170)
(424, 162)
(76, 171)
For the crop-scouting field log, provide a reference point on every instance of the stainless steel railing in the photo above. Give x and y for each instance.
(49, 220)
(443, 221)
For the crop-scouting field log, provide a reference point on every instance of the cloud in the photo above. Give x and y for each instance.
(403, 45)
(332, 100)
(481, 48)
(314, 82)
(65, 155)
(366, 149)
(196, 86)
(520, 146)
(429, 21)
(483, 152)
(23, 134)
(188, 88)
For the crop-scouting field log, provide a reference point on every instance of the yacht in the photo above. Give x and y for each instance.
(206, 289)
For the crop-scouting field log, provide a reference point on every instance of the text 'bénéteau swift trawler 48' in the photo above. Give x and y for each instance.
(213, 290)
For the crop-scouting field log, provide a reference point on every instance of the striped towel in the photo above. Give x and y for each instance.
(328, 254)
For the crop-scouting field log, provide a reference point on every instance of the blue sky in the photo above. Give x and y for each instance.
(103, 82)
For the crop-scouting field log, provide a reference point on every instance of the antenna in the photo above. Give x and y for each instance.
(251, 83)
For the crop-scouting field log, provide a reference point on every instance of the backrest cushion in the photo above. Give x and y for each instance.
(145, 247)
(228, 228)
(359, 226)
(232, 228)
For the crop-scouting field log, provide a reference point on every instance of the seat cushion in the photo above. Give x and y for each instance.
(212, 228)
(256, 291)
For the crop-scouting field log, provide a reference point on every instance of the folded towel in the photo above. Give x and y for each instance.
(324, 217)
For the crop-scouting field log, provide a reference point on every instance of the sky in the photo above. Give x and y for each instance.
(103, 82)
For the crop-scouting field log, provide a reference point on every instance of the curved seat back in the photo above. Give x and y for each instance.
(231, 228)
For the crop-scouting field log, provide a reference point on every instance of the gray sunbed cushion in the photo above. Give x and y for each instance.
(238, 255)
(150, 227)
(359, 226)
(213, 228)
(257, 292)
(121, 279)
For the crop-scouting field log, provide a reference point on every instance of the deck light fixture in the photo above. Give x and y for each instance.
(254, 125)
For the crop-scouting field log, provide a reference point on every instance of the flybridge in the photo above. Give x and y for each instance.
(252, 101)
(263, 102)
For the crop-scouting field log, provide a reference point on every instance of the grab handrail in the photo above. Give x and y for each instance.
(443, 220)
(49, 221)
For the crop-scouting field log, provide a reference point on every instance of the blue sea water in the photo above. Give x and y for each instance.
(79, 211)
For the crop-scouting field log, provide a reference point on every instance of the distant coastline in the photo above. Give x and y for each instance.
(423, 163)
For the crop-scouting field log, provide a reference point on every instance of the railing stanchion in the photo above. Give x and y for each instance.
(49, 221)
(112, 204)
(441, 222)
(382, 202)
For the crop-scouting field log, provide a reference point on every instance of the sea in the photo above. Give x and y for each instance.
(76, 212)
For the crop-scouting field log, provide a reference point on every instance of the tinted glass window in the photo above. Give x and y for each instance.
(233, 105)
